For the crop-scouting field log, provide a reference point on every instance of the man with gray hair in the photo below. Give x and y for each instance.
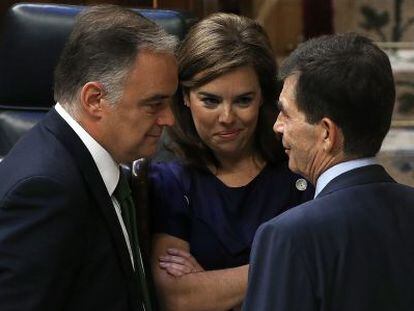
(68, 236)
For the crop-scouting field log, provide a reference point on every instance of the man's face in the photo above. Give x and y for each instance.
(132, 127)
(300, 138)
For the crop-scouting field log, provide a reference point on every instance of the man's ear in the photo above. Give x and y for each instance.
(332, 137)
(92, 98)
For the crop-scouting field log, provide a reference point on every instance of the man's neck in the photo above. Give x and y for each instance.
(326, 161)
(339, 169)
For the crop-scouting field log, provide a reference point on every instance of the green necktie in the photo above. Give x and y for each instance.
(123, 195)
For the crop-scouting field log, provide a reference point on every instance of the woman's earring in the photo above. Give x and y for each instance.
(186, 101)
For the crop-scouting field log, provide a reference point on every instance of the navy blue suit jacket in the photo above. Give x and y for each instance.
(352, 248)
(61, 246)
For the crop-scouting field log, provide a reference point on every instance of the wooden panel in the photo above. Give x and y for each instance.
(199, 8)
(282, 20)
(187, 5)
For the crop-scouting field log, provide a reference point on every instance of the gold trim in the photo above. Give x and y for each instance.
(395, 45)
(402, 123)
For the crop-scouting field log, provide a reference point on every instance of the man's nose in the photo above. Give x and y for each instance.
(166, 117)
(278, 126)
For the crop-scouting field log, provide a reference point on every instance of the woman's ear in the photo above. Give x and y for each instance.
(92, 98)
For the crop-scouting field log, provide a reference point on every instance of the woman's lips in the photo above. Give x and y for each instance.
(230, 134)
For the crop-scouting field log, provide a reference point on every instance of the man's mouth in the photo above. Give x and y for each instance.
(153, 135)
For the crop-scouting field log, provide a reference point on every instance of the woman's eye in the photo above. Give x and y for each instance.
(210, 102)
(244, 101)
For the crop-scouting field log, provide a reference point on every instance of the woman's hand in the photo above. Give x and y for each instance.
(178, 262)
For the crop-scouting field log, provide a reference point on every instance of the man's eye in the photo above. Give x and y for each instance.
(153, 107)
(282, 115)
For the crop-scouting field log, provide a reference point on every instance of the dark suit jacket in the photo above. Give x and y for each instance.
(352, 248)
(61, 246)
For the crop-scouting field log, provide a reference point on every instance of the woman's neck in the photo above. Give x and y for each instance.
(238, 172)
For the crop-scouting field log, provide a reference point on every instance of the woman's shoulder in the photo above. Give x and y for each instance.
(281, 174)
(171, 172)
(169, 166)
(281, 170)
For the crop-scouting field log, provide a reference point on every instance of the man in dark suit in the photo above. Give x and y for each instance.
(352, 247)
(65, 242)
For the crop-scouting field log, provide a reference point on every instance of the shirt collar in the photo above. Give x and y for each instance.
(107, 166)
(339, 169)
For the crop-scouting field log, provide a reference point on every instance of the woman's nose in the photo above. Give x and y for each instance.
(226, 115)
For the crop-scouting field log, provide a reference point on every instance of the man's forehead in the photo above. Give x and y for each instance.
(289, 88)
(291, 80)
(287, 98)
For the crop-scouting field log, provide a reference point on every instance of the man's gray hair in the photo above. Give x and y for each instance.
(102, 47)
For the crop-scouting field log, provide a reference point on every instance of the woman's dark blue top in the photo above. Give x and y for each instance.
(219, 222)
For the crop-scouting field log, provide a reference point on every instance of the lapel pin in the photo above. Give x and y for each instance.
(301, 184)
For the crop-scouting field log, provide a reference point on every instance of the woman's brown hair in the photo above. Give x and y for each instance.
(217, 45)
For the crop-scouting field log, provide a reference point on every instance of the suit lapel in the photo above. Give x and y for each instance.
(359, 176)
(74, 145)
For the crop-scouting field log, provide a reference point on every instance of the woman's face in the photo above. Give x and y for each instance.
(225, 112)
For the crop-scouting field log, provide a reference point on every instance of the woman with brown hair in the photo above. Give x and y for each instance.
(231, 174)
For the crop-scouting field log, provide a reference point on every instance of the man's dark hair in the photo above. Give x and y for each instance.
(348, 79)
(102, 47)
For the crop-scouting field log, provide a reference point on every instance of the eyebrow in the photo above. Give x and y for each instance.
(203, 93)
(280, 106)
(247, 94)
(156, 97)
(208, 94)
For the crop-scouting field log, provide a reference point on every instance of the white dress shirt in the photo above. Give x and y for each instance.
(339, 169)
(107, 166)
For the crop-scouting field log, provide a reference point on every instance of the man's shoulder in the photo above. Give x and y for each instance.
(386, 191)
(36, 146)
(293, 219)
(313, 215)
(325, 212)
(37, 154)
